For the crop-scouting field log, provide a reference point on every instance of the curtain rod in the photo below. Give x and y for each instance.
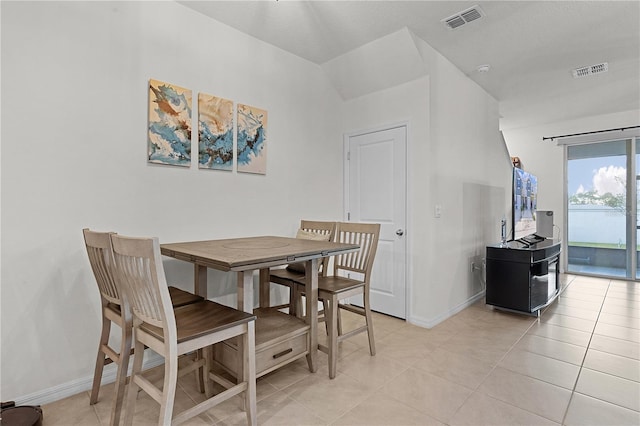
(621, 129)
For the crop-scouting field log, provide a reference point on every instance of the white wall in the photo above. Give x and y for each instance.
(470, 179)
(457, 159)
(546, 160)
(75, 83)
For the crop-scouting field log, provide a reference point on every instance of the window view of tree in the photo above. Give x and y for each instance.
(597, 188)
(609, 189)
(616, 201)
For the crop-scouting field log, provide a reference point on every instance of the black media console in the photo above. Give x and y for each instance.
(523, 277)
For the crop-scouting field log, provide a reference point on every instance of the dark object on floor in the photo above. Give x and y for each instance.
(27, 415)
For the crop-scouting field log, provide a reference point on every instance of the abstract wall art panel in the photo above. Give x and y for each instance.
(169, 124)
(252, 140)
(215, 132)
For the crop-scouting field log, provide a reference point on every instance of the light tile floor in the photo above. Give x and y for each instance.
(578, 364)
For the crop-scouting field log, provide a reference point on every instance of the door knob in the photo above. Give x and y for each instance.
(399, 232)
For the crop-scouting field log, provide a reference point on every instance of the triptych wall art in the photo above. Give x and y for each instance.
(169, 124)
(169, 136)
(215, 133)
(252, 153)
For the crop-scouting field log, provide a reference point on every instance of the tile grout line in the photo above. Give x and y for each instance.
(573, 391)
(533, 323)
(524, 333)
(93, 406)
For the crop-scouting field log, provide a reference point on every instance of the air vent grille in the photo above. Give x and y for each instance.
(590, 70)
(471, 15)
(464, 17)
(455, 22)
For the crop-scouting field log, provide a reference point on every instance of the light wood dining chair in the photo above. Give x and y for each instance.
(309, 229)
(115, 309)
(173, 332)
(339, 285)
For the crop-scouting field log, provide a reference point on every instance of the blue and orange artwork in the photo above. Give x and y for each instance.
(215, 132)
(169, 124)
(252, 139)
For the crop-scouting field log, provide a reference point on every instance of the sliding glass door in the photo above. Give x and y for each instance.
(636, 219)
(602, 221)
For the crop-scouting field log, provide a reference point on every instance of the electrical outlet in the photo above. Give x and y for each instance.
(478, 265)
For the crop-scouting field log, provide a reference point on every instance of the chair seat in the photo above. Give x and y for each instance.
(115, 308)
(181, 298)
(334, 284)
(200, 319)
(284, 274)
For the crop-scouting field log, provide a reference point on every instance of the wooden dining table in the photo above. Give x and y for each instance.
(280, 338)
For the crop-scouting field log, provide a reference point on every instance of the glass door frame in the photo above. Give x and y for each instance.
(631, 208)
(632, 225)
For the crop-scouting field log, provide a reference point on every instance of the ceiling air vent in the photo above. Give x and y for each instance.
(464, 17)
(590, 70)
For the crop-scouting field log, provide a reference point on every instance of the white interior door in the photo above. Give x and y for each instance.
(375, 191)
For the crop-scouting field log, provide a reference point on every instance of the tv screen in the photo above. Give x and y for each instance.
(525, 199)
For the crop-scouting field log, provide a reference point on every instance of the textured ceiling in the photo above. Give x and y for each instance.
(531, 46)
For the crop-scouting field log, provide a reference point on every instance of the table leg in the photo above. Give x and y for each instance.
(200, 280)
(311, 292)
(200, 288)
(265, 288)
(245, 303)
(245, 291)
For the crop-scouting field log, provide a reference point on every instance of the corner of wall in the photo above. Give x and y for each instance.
(434, 321)
(390, 61)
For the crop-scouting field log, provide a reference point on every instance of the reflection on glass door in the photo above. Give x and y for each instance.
(597, 209)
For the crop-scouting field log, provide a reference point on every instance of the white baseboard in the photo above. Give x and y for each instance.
(432, 322)
(64, 390)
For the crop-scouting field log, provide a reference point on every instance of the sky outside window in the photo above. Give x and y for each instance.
(603, 174)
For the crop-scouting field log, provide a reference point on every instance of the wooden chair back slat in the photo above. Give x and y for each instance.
(100, 255)
(142, 276)
(366, 236)
(323, 228)
(319, 227)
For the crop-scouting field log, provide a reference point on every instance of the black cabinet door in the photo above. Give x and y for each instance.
(508, 285)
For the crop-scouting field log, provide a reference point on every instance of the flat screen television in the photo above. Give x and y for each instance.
(525, 200)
